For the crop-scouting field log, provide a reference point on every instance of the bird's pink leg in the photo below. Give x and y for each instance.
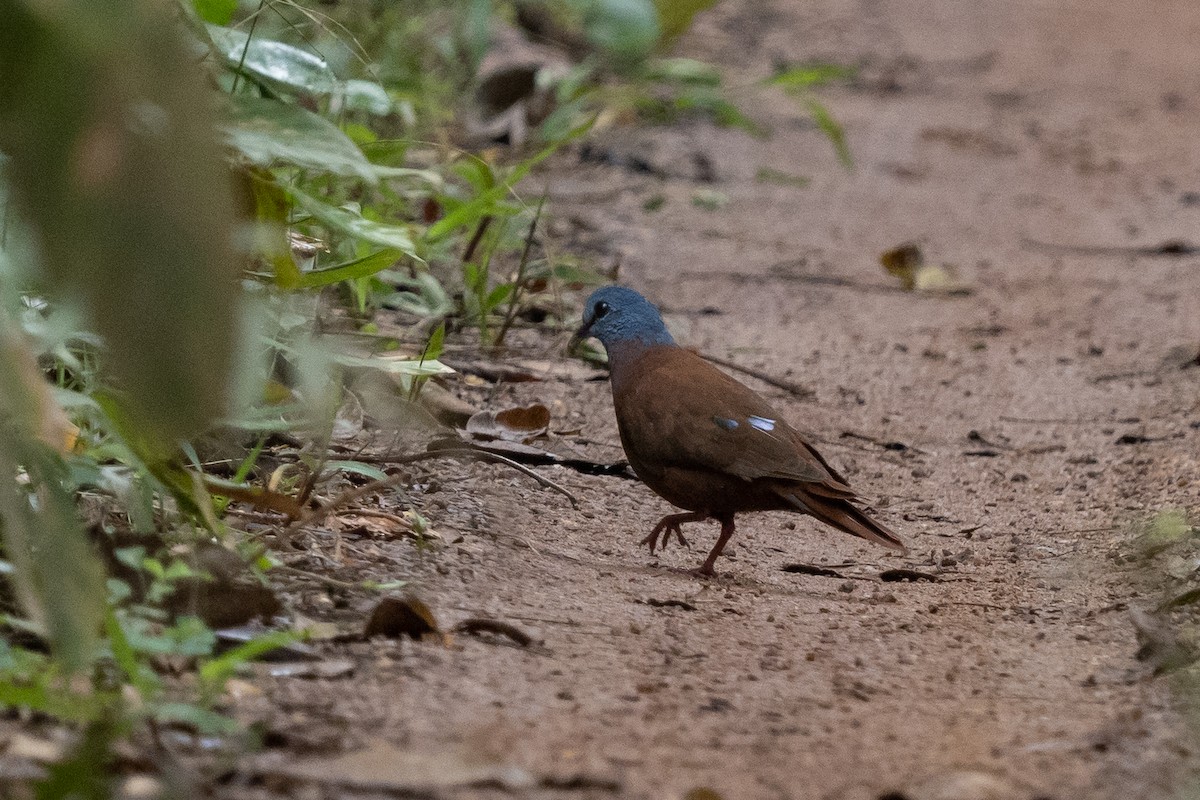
(726, 531)
(670, 524)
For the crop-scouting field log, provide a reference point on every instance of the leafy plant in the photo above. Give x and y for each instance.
(169, 254)
(800, 82)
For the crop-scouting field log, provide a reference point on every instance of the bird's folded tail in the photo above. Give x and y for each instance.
(841, 514)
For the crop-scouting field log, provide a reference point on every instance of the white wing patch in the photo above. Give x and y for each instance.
(762, 423)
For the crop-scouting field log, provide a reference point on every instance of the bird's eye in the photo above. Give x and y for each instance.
(601, 309)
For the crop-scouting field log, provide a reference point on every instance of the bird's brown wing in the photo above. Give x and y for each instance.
(678, 410)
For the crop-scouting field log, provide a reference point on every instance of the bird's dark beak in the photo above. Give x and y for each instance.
(585, 330)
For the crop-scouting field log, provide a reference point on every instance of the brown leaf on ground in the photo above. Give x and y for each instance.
(907, 263)
(903, 262)
(374, 523)
(522, 424)
(394, 617)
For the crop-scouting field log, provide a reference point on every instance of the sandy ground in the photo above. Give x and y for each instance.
(1018, 475)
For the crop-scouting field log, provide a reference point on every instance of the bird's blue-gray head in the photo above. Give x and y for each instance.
(616, 315)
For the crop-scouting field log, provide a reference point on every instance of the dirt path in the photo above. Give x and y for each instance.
(1071, 122)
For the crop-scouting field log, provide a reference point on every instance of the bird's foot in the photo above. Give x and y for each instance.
(666, 530)
(668, 525)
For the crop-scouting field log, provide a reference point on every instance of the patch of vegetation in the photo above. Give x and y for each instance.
(209, 221)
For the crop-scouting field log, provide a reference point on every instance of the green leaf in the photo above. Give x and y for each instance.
(723, 112)
(810, 75)
(277, 65)
(683, 70)
(395, 366)
(437, 340)
(266, 131)
(627, 30)
(357, 468)
(675, 16)
(339, 219)
(144, 680)
(366, 96)
(497, 296)
(484, 202)
(427, 297)
(220, 669)
(832, 130)
(358, 268)
(217, 12)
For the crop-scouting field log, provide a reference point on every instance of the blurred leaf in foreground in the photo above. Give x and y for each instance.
(115, 165)
(55, 574)
(675, 16)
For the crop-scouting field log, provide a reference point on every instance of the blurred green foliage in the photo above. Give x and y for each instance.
(183, 187)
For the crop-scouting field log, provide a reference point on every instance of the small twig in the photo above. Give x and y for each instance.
(1169, 247)
(519, 284)
(1046, 420)
(256, 516)
(534, 456)
(316, 576)
(360, 492)
(310, 481)
(885, 444)
(1122, 376)
(802, 392)
(832, 281)
(480, 230)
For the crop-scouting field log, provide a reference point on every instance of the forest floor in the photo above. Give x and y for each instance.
(1018, 436)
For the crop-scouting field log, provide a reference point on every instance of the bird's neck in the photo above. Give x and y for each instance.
(625, 354)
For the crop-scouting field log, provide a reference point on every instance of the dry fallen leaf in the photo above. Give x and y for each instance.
(907, 263)
(512, 424)
(903, 262)
(401, 616)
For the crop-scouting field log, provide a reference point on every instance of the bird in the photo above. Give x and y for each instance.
(704, 441)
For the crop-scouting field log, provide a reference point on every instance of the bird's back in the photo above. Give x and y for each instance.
(675, 409)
